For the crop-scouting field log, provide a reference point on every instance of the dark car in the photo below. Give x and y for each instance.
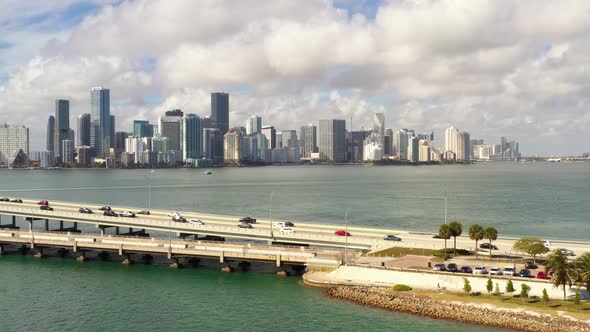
(525, 273)
(248, 220)
(391, 238)
(43, 203)
(105, 208)
(529, 264)
(17, 200)
(110, 213)
(488, 246)
(342, 233)
(46, 208)
(147, 213)
(466, 269)
(436, 236)
(452, 267)
(85, 210)
(289, 224)
(4, 199)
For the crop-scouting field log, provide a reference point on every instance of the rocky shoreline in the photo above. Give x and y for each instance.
(467, 313)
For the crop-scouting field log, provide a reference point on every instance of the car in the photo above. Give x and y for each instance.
(244, 225)
(43, 203)
(179, 218)
(547, 243)
(110, 213)
(283, 224)
(46, 208)
(480, 270)
(197, 222)
(529, 264)
(342, 233)
(287, 230)
(144, 212)
(436, 236)
(465, 269)
(509, 270)
(391, 238)
(85, 210)
(439, 267)
(525, 273)
(567, 252)
(488, 246)
(542, 275)
(452, 267)
(495, 271)
(106, 208)
(17, 200)
(248, 220)
(4, 199)
(127, 214)
(173, 214)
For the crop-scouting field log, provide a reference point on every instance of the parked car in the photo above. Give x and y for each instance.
(452, 267)
(244, 225)
(283, 224)
(85, 210)
(145, 212)
(105, 208)
(46, 208)
(248, 220)
(196, 222)
(391, 238)
(179, 218)
(466, 269)
(529, 264)
(128, 214)
(17, 200)
(480, 270)
(4, 199)
(509, 270)
(542, 275)
(110, 213)
(287, 230)
(342, 233)
(495, 271)
(43, 203)
(567, 252)
(488, 246)
(439, 267)
(525, 273)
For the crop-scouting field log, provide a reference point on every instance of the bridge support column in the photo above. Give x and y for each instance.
(278, 261)
(1, 250)
(117, 230)
(10, 225)
(75, 249)
(175, 264)
(82, 258)
(221, 257)
(127, 260)
(120, 250)
(46, 224)
(39, 253)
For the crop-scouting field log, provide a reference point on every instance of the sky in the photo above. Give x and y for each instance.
(494, 68)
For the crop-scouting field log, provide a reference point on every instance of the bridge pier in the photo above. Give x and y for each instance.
(11, 225)
(175, 264)
(147, 259)
(39, 253)
(127, 260)
(104, 256)
(73, 229)
(82, 258)
(131, 232)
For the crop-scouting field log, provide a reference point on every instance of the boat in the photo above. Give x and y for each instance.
(208, 173)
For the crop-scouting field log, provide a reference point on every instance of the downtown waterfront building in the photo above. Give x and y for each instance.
(220, 111)
(170, 127)
(271, 136)
(332, 145)
(100, 121)
(62, 126)
(253, 125)
(50, 134)
(192, 137)
(308, 140)
(84, 130)
(14, 142)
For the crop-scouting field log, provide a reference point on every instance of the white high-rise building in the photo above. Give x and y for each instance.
(457, 142)
(12, 140)
(253, 125)
(379, 126)
(134, 145)
(67, 154)
(308, 140)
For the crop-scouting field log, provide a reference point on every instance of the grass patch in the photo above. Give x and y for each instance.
(399, 251)
(401, 288)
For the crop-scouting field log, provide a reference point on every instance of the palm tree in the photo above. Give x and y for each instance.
(445, 233)
(564, 271)
(456, 230)
(491, 234)
(476, 234)
(583, 265)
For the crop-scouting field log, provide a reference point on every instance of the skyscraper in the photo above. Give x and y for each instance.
(308, 140)
(84, 130)
(142, 128)
(271, 136)
(211, 147)
(220, 111)
(13, 141)
(289, 139)
(253, 125)
(401, 143)
(112, 132)
(379, 126)
(457, 142)
(332, 140)
(169, 127)
(67, 153)
(100, 121)
(413, 149)
(62, 125)
(192, 137)
(232, 148)
(50, 133)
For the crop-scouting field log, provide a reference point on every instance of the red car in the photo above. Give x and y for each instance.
(542, 275)
(342, 233)
(43, 203)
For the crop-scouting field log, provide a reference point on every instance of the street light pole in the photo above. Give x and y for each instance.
(346, 237)
(445, 209)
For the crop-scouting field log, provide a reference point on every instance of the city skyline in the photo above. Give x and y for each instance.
(499, 72)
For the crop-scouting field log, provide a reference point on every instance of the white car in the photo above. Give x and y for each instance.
(287, 230)
(567, 252)
(127, 214)
(480, 270)
(173, 214)
(197, 222)
(282, 224)
(495, 271)
(509, 270)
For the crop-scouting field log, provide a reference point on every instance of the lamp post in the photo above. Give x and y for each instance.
(445, 209)
(148, 177)
(270, 214)
(346, 237)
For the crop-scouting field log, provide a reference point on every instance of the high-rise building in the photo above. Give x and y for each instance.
(50, 133)
(160, 144)
(401, 142)
(355, 145)
(120, 137)
(379, 126)
(289, 139)
(279, 140)
(426, 136)
(142, 128)
(424, 151)
(170, 127)
(232, 148)
(84, 155)
(253, 125)
(211, 148)
(457, 142)
(388, 143)
(46, 159)
(192, 137)
(14, 142)
(112, 132)
(67, 153)
(271, 136)
(308, 140)
(220, 111)
(413, 149)
(332, 145)
(84, 130)
(134, 145)
(62, 125)
(100, 121)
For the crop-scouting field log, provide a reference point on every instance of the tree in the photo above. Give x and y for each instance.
(456, 229)
(564, 271)
(524, 291)
(490, 286)
(497, 290)
(490, 234)
(476, 234)
(577, 299)
(583, 266)
(545, 296)
(466, 285)
(445, 233)
(532, 246)
(510, 287)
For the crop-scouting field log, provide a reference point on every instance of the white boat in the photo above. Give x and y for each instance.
(208, 173)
